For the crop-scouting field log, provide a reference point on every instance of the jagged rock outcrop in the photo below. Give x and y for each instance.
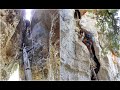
(9, 43)
(109, 66)
(44, 39)
(56, 51)
(75, 58)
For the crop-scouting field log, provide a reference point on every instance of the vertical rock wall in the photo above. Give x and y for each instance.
(9, 43)
(44, 37)
(75, 58)
(109, 69)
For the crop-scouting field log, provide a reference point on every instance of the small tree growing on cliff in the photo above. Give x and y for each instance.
(109, 25)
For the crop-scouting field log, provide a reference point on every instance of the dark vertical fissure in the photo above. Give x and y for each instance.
(88, 41)
(25, 59)
(77, 14)
(97, 64)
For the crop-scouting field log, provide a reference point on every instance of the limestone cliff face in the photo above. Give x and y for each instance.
(57, 52)
(44, 37)
(40, 41)
(110, 66)
(75, 58)
(9, 43)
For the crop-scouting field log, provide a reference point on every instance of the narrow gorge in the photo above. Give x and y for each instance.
(59, 45)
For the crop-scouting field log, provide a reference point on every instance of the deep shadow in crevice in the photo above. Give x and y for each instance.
(96, 61)
(77, 14)
(88, 41)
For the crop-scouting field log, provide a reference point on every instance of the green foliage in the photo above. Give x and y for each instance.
(108, 25)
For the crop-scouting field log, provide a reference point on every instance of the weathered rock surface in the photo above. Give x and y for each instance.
(9, 43)
(44, 37)
(75, 58)
(109, 69)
